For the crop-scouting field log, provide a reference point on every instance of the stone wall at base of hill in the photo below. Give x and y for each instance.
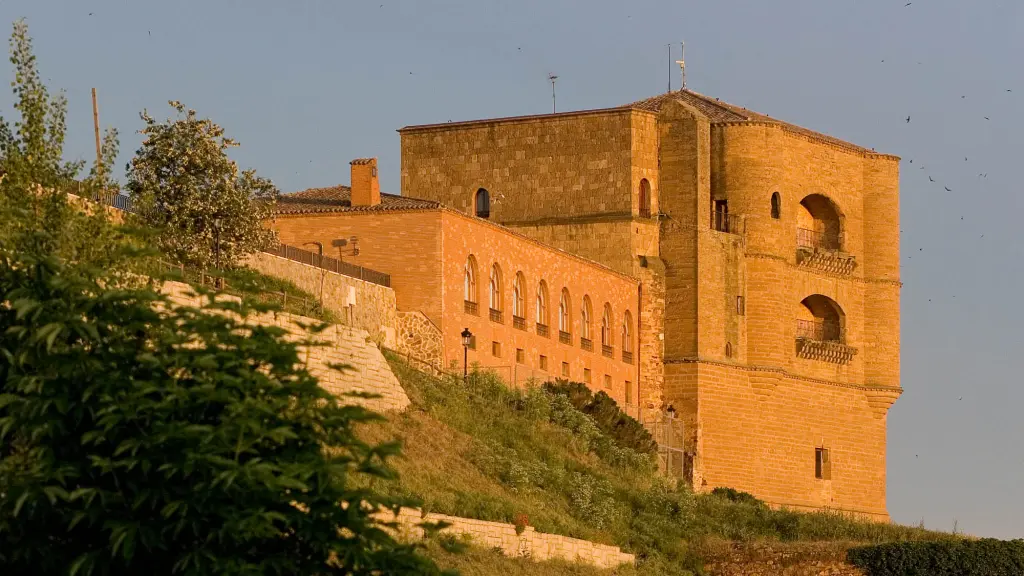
(777, 559)
(529, 544)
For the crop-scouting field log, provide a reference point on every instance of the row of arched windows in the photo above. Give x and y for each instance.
(496, 303)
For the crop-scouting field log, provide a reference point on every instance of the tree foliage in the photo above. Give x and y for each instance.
(35, 178)
(136, 438)
(185, 185)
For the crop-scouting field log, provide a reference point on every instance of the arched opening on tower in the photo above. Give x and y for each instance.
(820, 318)
(645, 198)
(819, 223)
(482, 203)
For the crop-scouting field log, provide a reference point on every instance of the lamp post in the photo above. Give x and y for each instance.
(467, 339)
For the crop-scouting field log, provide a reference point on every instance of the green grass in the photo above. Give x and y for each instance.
(481, 450)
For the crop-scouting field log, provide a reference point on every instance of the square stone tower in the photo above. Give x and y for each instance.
(768, 257)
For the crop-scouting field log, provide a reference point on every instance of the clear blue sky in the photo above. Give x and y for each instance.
(307, 85)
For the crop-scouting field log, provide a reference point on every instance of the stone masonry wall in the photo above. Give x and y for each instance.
(420, 341)
(535, 545)
(373, 305)
(562, 165)
(369, 370)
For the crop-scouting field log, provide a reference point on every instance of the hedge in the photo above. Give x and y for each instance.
(986, 557)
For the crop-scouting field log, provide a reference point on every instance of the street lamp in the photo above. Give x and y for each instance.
(467, 339)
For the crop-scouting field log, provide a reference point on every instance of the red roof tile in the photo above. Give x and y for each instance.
(339, 199)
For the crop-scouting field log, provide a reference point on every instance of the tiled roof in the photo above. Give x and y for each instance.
(339, 199)
(719, 112)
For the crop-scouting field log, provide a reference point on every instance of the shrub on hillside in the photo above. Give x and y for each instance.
(733, 495)
(987, 557)
(136, 438)
(625, 430)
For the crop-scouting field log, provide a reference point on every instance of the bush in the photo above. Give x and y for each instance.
(987, 557)
(136, 438)
(625, 430)
(733, 495)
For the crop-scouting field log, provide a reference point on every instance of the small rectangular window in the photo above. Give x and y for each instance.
(520, 356)
(607, 381)
(586, 375)
(741, 306)
(629, 392)
(472, 342)
(543, 362)
(496, 349)
(565, 369)
(822, 464)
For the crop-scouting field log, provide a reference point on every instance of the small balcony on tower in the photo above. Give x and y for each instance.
(821, 332)
(819, 237)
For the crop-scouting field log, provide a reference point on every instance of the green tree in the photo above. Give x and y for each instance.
(35, 178)
(136, 438)
(183, 184)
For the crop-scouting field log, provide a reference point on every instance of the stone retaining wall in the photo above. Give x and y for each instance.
(357, 303)
(419, 341)
(530, 543)
(369, 370)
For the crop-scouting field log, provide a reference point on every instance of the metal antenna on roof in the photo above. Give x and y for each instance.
(669, 66)
(682, 66)
(552, 77)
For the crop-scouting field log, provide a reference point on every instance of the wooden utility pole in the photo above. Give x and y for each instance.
(96, 128)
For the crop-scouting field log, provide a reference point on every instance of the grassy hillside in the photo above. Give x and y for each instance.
(480, 450)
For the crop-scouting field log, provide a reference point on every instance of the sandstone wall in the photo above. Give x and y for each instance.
(563, 165)
(419, 341)
(530, 543)
(406, 245)
(369, 370)
(357, 303)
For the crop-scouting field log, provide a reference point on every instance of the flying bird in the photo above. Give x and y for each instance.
(947, 188)
(930, 179)
(908, 119)
(907, 4)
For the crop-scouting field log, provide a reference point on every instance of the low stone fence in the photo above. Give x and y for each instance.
(531, 544)
(369, 370)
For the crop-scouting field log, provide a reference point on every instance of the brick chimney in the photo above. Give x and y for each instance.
(365, 187)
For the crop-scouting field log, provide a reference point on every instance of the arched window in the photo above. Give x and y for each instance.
(585, 316)
(565, 313)
(518, 298)
(495, 288)
(776, 205)
(606, 326)
(645, 198)
(469, 285)
(819, 223)
(821, 319)
(728, 349)
(482, 203)
(627, 332)
(542, 308)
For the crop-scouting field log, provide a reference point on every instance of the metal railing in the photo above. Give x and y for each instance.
(817, 239)
(472, 308)
(819, 330)
(518, 323)
(627, 357)
(497, 316)
(725, 222)
(116, 200)
(587, 344)
(330, 264)
(542, 330)
(607, 351)
(565, 337)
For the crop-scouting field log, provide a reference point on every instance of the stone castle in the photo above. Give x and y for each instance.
(679, 253)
